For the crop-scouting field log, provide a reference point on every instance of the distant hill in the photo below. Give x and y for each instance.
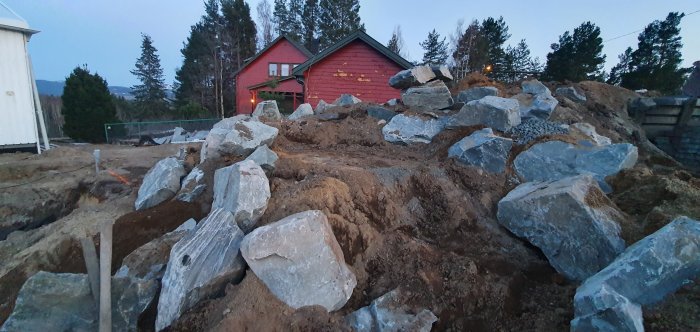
(55, 88)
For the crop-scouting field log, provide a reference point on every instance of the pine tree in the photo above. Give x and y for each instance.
(622, 68)
(494, 34)
(656, 63)
(470, 52)
(309, 21)
(296, 27)
(87, 106)
(518, 63)
(281, 18)
(150, 94)
(266, 28)
(435, 49)
(577, 57)
(338, 19)
(396, 42)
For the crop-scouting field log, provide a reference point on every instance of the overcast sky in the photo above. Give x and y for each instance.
(105, 35)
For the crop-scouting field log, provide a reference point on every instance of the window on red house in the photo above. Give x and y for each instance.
(272, 70)
(285, 69)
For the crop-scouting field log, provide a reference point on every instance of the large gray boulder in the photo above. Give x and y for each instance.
(571, 93)
(691, 88)
(200, 265)
(476, 93)
(407, 129)
(300, 261)
(322, 107)
(63, 302)
(555, 160)
(243, 190)
(160, 184)
(535, 87)
(442, 73)
(347, 100)
(228, 123)
(570, 220)
(192, 186)
(483, 149)
(241, 140)
(644, 274)
(536, 100)
(380, 113)
(415, 76)
(265, 158)
(267, 111)
(587, 131)
(303, 110)
(494, 112)
(616, 313)
(428, 97)
(388, 313)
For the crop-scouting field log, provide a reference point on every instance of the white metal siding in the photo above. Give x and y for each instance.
(17, 119)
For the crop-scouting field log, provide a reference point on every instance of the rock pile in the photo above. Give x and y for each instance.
(533, 128)
(483, 149)
(424, 88)
(536, 100)
(494, 112)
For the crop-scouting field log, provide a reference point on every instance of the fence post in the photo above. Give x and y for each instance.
(106, 278)
(106, 134)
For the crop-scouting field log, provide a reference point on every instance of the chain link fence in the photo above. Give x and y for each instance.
(134, 132)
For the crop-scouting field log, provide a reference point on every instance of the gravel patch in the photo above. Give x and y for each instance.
(534, 128)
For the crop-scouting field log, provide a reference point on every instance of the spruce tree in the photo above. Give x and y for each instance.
(494, 34)
(435, 49)
(655, 64)
(87, 106)
(396, 42)
(621, 68)
(338, 19)
(150, 94)
(577, 57)
(281, 18)
(309, 22)
(518, 63)
(296, 12)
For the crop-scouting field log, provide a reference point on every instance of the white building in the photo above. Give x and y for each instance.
(21, 119)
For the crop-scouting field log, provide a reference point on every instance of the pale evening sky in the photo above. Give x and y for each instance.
(105, 35)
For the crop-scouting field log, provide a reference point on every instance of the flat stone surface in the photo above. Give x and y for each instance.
(322, 107)
(380, 113)
(571, 93)
(200, 265)
(303, 110)
(554, 160)
(244, 137)
(476, 93)
(243, 190)
(483, 149)
(570, 220)
(389, 313)
(535, 87)
(442, 73)
(412, 129)
(300, 261)
(161, 183)
(493, 112)
(587, 130)
(428, 97)
(265, 158)
(267, 111)
(412, 77)
(228, 123)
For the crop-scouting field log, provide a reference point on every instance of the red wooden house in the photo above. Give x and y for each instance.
(270, 71)
(357, 64)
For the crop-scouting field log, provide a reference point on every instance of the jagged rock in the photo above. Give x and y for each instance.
(380, 113)
(63, 302)
(200, 265)
(149, 260)
(691, 87)
(198, 136)
(264, 157)
(192, 186)
(301, 111)
(644, 274)
(570, 220)
(555, 160)
(587, 131)
(241, 140)
(161, 183)
(428, 97)
(392, 102)
(641, 104)
(228, 123)
(267, 111)
(571, 93)
(476, 93)
(616, 313)
(442, 73)
(539, 106)
(483, 149)
(243, 190)
(494, 112)
(322, 107)
(300, 261)
(388, 313)
(179, 135)
(415, 76)
(347, 100)
(412, 129)
(535, 87)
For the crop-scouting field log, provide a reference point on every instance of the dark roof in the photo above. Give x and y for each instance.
(361, 35)
(296, 44)
(279, 80)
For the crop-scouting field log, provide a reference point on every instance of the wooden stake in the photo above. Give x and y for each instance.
(106, 278)
(93, 268)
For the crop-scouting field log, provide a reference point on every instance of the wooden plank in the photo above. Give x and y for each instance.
(92, 266)
(655, 120)
(106, 278)
(686, 113)
(664, 111)
(658, 130)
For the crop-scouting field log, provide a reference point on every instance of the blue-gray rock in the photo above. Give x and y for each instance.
(389, 313)
(442, 73)
(415, 76)
(428, 97)
(267, 111)
(149, 260)
(63, 302)
(571, 93)
(303, 110)
(392, 102)
(243, 190)
(192, 186)
(200, 265)
(483, 149)
(412, 129)
(535, 87)
(264, 157)
(242, 139)
(228, 123)
(494, 112)
(578, 235)
(617, 314)
(322, 107)
(161, 183)
(555, 160)
(299, 259)
(536, 106)
(179, 135)
(347, 100)
(380, 113)
(644, 274)
(587, 131)
(476, 93)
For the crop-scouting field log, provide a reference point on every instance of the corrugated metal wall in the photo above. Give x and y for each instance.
(17, 117)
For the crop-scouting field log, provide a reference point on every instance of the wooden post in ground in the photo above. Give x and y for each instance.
(106, 278)
(93, 268)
